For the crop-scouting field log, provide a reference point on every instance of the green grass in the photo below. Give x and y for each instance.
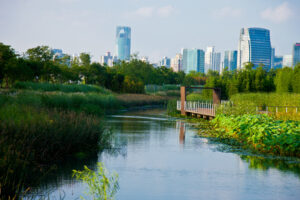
(32, 138)
(49, 87)
(90, 103)
(268, 99)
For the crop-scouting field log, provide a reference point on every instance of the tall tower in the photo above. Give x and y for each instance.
(123, 42)
(296, 54)
(254, 47)
(230, 60)
(192, 60)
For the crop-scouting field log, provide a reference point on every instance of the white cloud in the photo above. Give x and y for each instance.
(144, 11)
(278, 14)
(227, 12)
(164, 11)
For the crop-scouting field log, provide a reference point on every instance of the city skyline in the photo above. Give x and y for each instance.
(88, 26)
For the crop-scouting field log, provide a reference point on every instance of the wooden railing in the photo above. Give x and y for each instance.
(198, 107)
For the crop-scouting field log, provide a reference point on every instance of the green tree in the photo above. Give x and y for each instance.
(85, 59)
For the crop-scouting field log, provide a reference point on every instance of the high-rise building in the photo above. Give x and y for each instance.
(296, 54)
(108, 59)
(212, 60)
(277, 62)
(165, 62)
(176, 63)
(192, 60)
(123, 42)
(254, 47)
(230, 60)
(287, 61)
(144, 59)
(272, 58)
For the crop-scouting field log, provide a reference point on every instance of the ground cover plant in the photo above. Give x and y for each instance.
(260, 133)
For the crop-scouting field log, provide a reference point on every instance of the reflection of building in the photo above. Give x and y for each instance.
(192, 60)
(296, 54)
(108, 59)
(165, 62)
(230, 60)
(176, 63)
(287, 61)
(254, 47)
(123, 42)
(212, 60)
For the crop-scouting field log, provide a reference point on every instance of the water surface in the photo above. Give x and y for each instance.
(161, 158)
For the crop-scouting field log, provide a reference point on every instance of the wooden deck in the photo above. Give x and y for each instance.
(198, 109)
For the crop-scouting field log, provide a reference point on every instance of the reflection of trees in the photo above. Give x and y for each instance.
(265, 163)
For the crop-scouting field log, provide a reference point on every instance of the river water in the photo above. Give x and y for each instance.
(162, 158)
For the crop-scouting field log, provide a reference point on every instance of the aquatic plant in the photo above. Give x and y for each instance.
(260, 133)
(102, 185)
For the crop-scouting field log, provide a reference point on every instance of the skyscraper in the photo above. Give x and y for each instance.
(277, 62)
(123, 40)
(192, 60)
(165, 62)
(176, 63)
(230, 60)
(254, 47)
(212, 60)
(296, 54)
(287, 61)
(108, 59)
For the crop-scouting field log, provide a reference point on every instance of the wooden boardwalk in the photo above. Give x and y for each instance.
(198, 109)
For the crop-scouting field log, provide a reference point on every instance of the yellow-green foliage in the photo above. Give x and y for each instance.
(197, 97)
(261, 133)
(268, 99)
(102, 185)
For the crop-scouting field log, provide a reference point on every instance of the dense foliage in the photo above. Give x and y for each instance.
(40, 65)
(260, 133)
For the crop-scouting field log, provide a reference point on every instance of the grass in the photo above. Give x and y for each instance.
(254, 103)
(89, 103)
(32, 138)
(197, 97)
(71, 88)
(132, 100)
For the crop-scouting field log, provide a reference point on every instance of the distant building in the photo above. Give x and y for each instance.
(277, 62)
(287, 61)
(192, 60)
(230, 60)
(145, 59)
(254, 47)
(272, 58)
(123, 42)
(296, 54)
(57, 53)
(176, 63)
(108, 59)
(212, 60)
(165, 62)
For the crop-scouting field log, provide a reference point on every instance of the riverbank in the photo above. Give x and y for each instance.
(43, 124)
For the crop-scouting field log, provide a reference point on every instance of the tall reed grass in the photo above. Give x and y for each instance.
(71, 88)
(31, 138)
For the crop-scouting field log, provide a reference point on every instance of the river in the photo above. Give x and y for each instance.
(162, 158)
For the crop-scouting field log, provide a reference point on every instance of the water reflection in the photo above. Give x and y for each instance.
(160, 158)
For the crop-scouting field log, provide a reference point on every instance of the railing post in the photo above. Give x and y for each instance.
(183, 99)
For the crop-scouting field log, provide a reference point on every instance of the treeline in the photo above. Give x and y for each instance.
(254, 80)
(39, 64)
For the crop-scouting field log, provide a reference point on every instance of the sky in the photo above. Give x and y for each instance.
(158, 27)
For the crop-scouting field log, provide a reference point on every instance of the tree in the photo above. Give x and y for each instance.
(7, 55)
(40, 54)
(85, 59)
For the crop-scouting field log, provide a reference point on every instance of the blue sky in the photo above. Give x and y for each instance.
(159, 27)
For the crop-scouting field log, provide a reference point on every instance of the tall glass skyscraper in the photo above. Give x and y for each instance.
(192, 60)
(212, 60)
(230, 60)
(123, 40)
(296, 54)
(254, 47)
